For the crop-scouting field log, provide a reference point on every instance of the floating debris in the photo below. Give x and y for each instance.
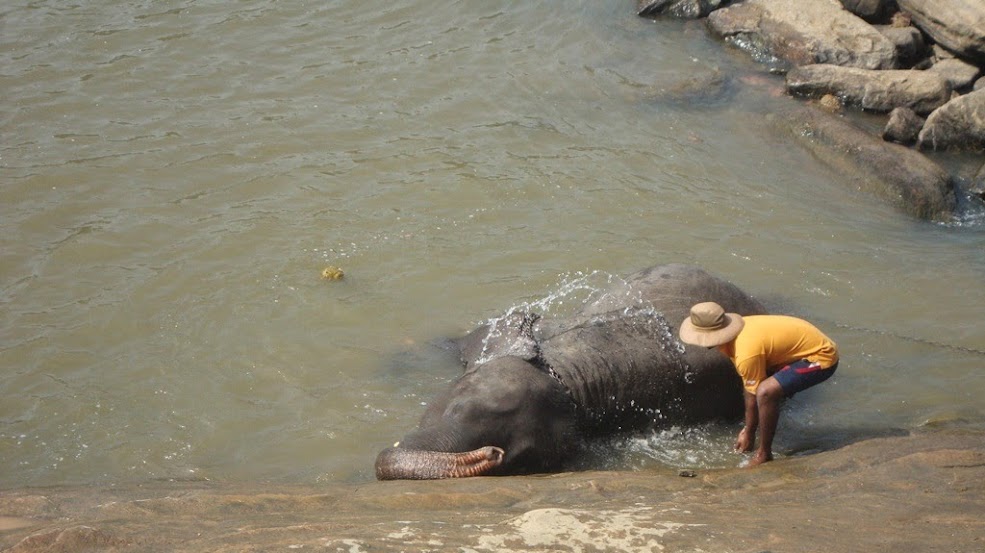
(332, 273)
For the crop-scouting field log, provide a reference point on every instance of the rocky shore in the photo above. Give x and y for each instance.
(916, 493)
(919, 62)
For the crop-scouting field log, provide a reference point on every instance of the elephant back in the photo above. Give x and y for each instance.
(624, 364)
(624, 369)
(672, 289)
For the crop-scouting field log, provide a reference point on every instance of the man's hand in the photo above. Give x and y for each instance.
(746, 440)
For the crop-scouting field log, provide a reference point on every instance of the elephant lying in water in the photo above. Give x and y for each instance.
(535, 389)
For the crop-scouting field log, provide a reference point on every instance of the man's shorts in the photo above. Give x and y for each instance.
(799, 376)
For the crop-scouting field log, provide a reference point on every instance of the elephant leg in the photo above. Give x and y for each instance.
(396, 463)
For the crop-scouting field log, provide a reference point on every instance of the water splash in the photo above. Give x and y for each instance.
(573, 292)
(591, 298)
(707, 446)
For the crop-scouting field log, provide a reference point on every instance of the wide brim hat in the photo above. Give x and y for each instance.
(709, 325)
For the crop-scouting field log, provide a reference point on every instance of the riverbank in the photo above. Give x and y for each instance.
(919, 62)
(922, 492)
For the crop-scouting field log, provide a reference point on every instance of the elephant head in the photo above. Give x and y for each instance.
(508, 416)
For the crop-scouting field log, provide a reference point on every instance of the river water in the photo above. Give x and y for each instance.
(175, 176)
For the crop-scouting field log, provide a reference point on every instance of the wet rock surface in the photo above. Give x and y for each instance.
(904, 177)
(803, 33)
(916, 493)
(921, 91)
(687, 9)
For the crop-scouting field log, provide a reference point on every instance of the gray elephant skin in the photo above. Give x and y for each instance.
(534, 390)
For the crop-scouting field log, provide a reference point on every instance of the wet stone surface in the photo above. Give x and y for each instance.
(923, 492)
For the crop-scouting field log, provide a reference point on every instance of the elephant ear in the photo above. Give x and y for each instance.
(510, 335)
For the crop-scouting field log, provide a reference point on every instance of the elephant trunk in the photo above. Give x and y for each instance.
(396, 463)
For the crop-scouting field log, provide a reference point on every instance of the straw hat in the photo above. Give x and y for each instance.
(709, 325)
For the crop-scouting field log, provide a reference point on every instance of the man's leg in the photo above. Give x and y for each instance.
(786, 382)
(768, 396)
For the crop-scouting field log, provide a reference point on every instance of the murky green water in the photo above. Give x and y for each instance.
(175, 175)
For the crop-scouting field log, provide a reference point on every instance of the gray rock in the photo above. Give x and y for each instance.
(979, 84)
(901, 175)
(920, 91)
(867, 9)
(685, 9)
(958, 25)
(903, 126)
(802, 33)
(909, 43)
(958, 73)
(958, 124)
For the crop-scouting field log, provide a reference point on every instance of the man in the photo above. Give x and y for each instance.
(775, 355)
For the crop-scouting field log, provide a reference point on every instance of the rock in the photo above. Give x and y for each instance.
(866, 9)
(958, 25)
(903, 127)
(881, 91)
(905, 177)
(977, 186)
(957, 72)
(905, 493)
(803, 33)
(958, 124)
(685, 9)
(909, 43)
(979, 84)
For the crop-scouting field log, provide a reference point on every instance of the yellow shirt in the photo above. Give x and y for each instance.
(774, 341)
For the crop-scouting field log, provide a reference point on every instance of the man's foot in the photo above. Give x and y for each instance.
(759, 459)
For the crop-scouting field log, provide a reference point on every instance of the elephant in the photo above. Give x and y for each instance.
(535, 389)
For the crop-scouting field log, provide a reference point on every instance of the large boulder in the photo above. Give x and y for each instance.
(958, 25)
(804, 32)
(901, 175)
(921, 91)
(958, 124)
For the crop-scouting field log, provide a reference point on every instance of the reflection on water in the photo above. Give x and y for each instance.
(174, 179)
